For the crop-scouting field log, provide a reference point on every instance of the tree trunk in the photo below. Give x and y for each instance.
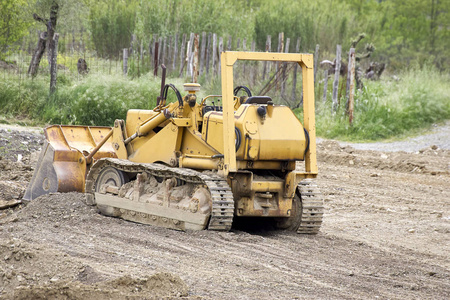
(54, 65)
(337, 71)
(51, 29)
(37, 55)
(45, 42)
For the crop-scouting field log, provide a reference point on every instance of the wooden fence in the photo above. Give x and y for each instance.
(196, 57)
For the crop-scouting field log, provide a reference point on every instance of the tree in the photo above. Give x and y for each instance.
(112, 24)
(48, 37)
(416, 30)
(12, 25)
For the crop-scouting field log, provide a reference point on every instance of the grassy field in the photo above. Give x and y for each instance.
(384, 109)
(418, 98)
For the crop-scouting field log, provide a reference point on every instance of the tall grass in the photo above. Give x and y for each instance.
(388, 108)
(94, 100)
(383, 109)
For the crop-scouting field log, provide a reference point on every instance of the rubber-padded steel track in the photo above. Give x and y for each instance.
(222, 198)
(312, 207)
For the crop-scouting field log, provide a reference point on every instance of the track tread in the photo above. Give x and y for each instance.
(222, 211)
(312, 207)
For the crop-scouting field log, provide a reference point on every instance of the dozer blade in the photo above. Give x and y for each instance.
(62, 165)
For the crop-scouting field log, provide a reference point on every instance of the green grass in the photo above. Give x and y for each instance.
(383, 109)
(93, 100)
(389, 108)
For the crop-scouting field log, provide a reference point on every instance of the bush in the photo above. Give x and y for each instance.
(95, 100)
(390, 108)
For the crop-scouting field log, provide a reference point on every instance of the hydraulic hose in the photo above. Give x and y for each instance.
(177, 93)
(244, 88)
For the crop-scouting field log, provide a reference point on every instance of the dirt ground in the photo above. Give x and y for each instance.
(386, 235)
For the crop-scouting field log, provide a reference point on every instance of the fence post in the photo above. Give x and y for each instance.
(325, 85)
(169, 52)
(352, 85)
(186, 60)
(202, 53)
(195, 60)
(349, 71)
(150, 46)
(265, 64)
(160, 44)
(280, 50)
(244, 63)
(163, 53)
(189, 56)
(155, 60)
(175, 51)
(229, 43)
(153, 51)
(294, 78)
(125, 61)
(208, 52)
(182, 58)
(281, 42)
(254, 69)
(220, 51)
(150, 54)
(283, 83)
(53, 66)
(214, 54)
(336, 77)
(316, 60)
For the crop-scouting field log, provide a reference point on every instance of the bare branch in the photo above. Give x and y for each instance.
(39, 19)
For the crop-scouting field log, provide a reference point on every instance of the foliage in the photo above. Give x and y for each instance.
(390, 108)
(94, 100)
(322, 22)
(416, 30)
(13, 25)
(112, 23)
(402, 31)
(223, 17)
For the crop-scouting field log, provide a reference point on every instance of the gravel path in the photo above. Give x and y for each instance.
(439, 136)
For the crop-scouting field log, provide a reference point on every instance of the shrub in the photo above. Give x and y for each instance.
(390, 108)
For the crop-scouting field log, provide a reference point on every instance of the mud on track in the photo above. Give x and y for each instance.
(386, 234)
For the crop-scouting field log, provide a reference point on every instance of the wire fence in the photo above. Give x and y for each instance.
(194, 57)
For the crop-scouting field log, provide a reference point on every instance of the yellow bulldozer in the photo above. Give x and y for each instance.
(188, 165)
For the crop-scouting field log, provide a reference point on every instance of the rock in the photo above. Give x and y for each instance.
(7, 204)
(412, 230)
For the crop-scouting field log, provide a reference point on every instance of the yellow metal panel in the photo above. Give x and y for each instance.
(306, 61)
(118, 144)
(228, 116)
(160, 147)
(182, 122)
(267, 186)
(309, 118)
(192, 144)
(135, 117)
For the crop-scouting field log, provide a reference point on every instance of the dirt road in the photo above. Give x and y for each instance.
(386, 235)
